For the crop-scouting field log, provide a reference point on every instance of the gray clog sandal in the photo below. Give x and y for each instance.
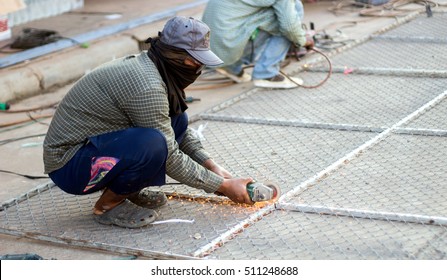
(127, 215)
(149, 199)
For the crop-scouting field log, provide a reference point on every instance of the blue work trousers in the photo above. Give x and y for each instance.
(266, 52)
(124, 161)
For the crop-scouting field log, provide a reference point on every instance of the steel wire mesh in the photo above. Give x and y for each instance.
(360, 164)
(71, 219)
(299, 235)
(391, 56)
(283, 154)
(435, 119)
(398, 175)
(415, 48)
(422, 27)
(365, 101)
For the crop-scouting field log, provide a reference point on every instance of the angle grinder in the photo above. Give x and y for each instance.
(263, 192)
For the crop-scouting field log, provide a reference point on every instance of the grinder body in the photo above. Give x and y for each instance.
(263, 192)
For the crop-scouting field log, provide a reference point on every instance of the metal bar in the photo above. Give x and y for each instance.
(422, 132)
(33, 192)
(411, 39)
(231, 101)
(232, 232)
(385, 71)
(357, 152)
(267, 121)
(364, 214)
(311, 61)
(89, 36)
(97, 246)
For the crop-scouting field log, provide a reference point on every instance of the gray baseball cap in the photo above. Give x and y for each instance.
(191, 35)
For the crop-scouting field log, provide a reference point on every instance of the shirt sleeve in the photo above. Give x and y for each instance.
(289, 21)
(151, 109)
(192, 146)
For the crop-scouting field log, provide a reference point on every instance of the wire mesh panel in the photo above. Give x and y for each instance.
(392, 57)
(422, 27)
(352, 100)
(283, 154)
(357, 182)
(298, 235)
(53, 213)
(401, 174)
(435, 119)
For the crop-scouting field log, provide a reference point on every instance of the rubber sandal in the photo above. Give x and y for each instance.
(127, 215)
(148, 199)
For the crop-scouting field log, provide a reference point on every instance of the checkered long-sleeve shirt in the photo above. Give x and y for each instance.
(232, 22)
(126, 92)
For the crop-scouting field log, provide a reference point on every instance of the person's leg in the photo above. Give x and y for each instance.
(272, 50)
(235, 72)
(124, 162)
(153, 199)
(116, 161)
(150, 199)
(252, 52)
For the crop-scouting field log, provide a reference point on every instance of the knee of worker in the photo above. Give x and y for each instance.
(144, 162)
(149, 142)
(146, 144)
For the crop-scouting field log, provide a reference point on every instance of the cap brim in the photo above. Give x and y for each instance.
(206, 57)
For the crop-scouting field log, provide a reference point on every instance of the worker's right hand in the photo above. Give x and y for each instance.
(236, 190)
(310, 43)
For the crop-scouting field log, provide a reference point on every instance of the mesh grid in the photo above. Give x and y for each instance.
(397, 175)
(70, 217)
(435, 119)
(390, 56)
(360, 161)
(422, 27)
(297, 235)
(352, 100)
(286, 155)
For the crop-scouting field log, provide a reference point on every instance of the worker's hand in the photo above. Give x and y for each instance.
(310, 43)
(236, 190)
(216, 168)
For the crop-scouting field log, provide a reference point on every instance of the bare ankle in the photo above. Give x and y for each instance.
(108, 201)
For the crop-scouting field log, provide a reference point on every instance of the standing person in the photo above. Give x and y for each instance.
(122, 128)
(259, 32)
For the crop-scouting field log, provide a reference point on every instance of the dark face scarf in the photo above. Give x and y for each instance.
(176, 75)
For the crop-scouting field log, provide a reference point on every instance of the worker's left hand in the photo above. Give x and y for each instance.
(216, 168)
(236, 190)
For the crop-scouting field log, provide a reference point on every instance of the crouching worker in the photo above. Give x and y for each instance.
(122, 128)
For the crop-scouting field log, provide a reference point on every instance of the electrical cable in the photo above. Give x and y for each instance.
(24, 175)
(320, 83)
(37, 120)
(26, 120)
(41, 107)
(10, 140)
(28, 113)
